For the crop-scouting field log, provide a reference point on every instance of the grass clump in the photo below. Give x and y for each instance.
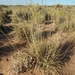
(63, 19)
(51, 56)
(23, 62)
(24, 31)
(4, 16)
(46, 55)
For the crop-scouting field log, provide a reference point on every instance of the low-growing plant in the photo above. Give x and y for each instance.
(23, 62)
(51, 56)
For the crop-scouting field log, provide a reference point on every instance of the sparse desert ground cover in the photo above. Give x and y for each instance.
(37, 40)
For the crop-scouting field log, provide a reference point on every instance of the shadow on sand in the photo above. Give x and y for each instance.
(6, 50)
